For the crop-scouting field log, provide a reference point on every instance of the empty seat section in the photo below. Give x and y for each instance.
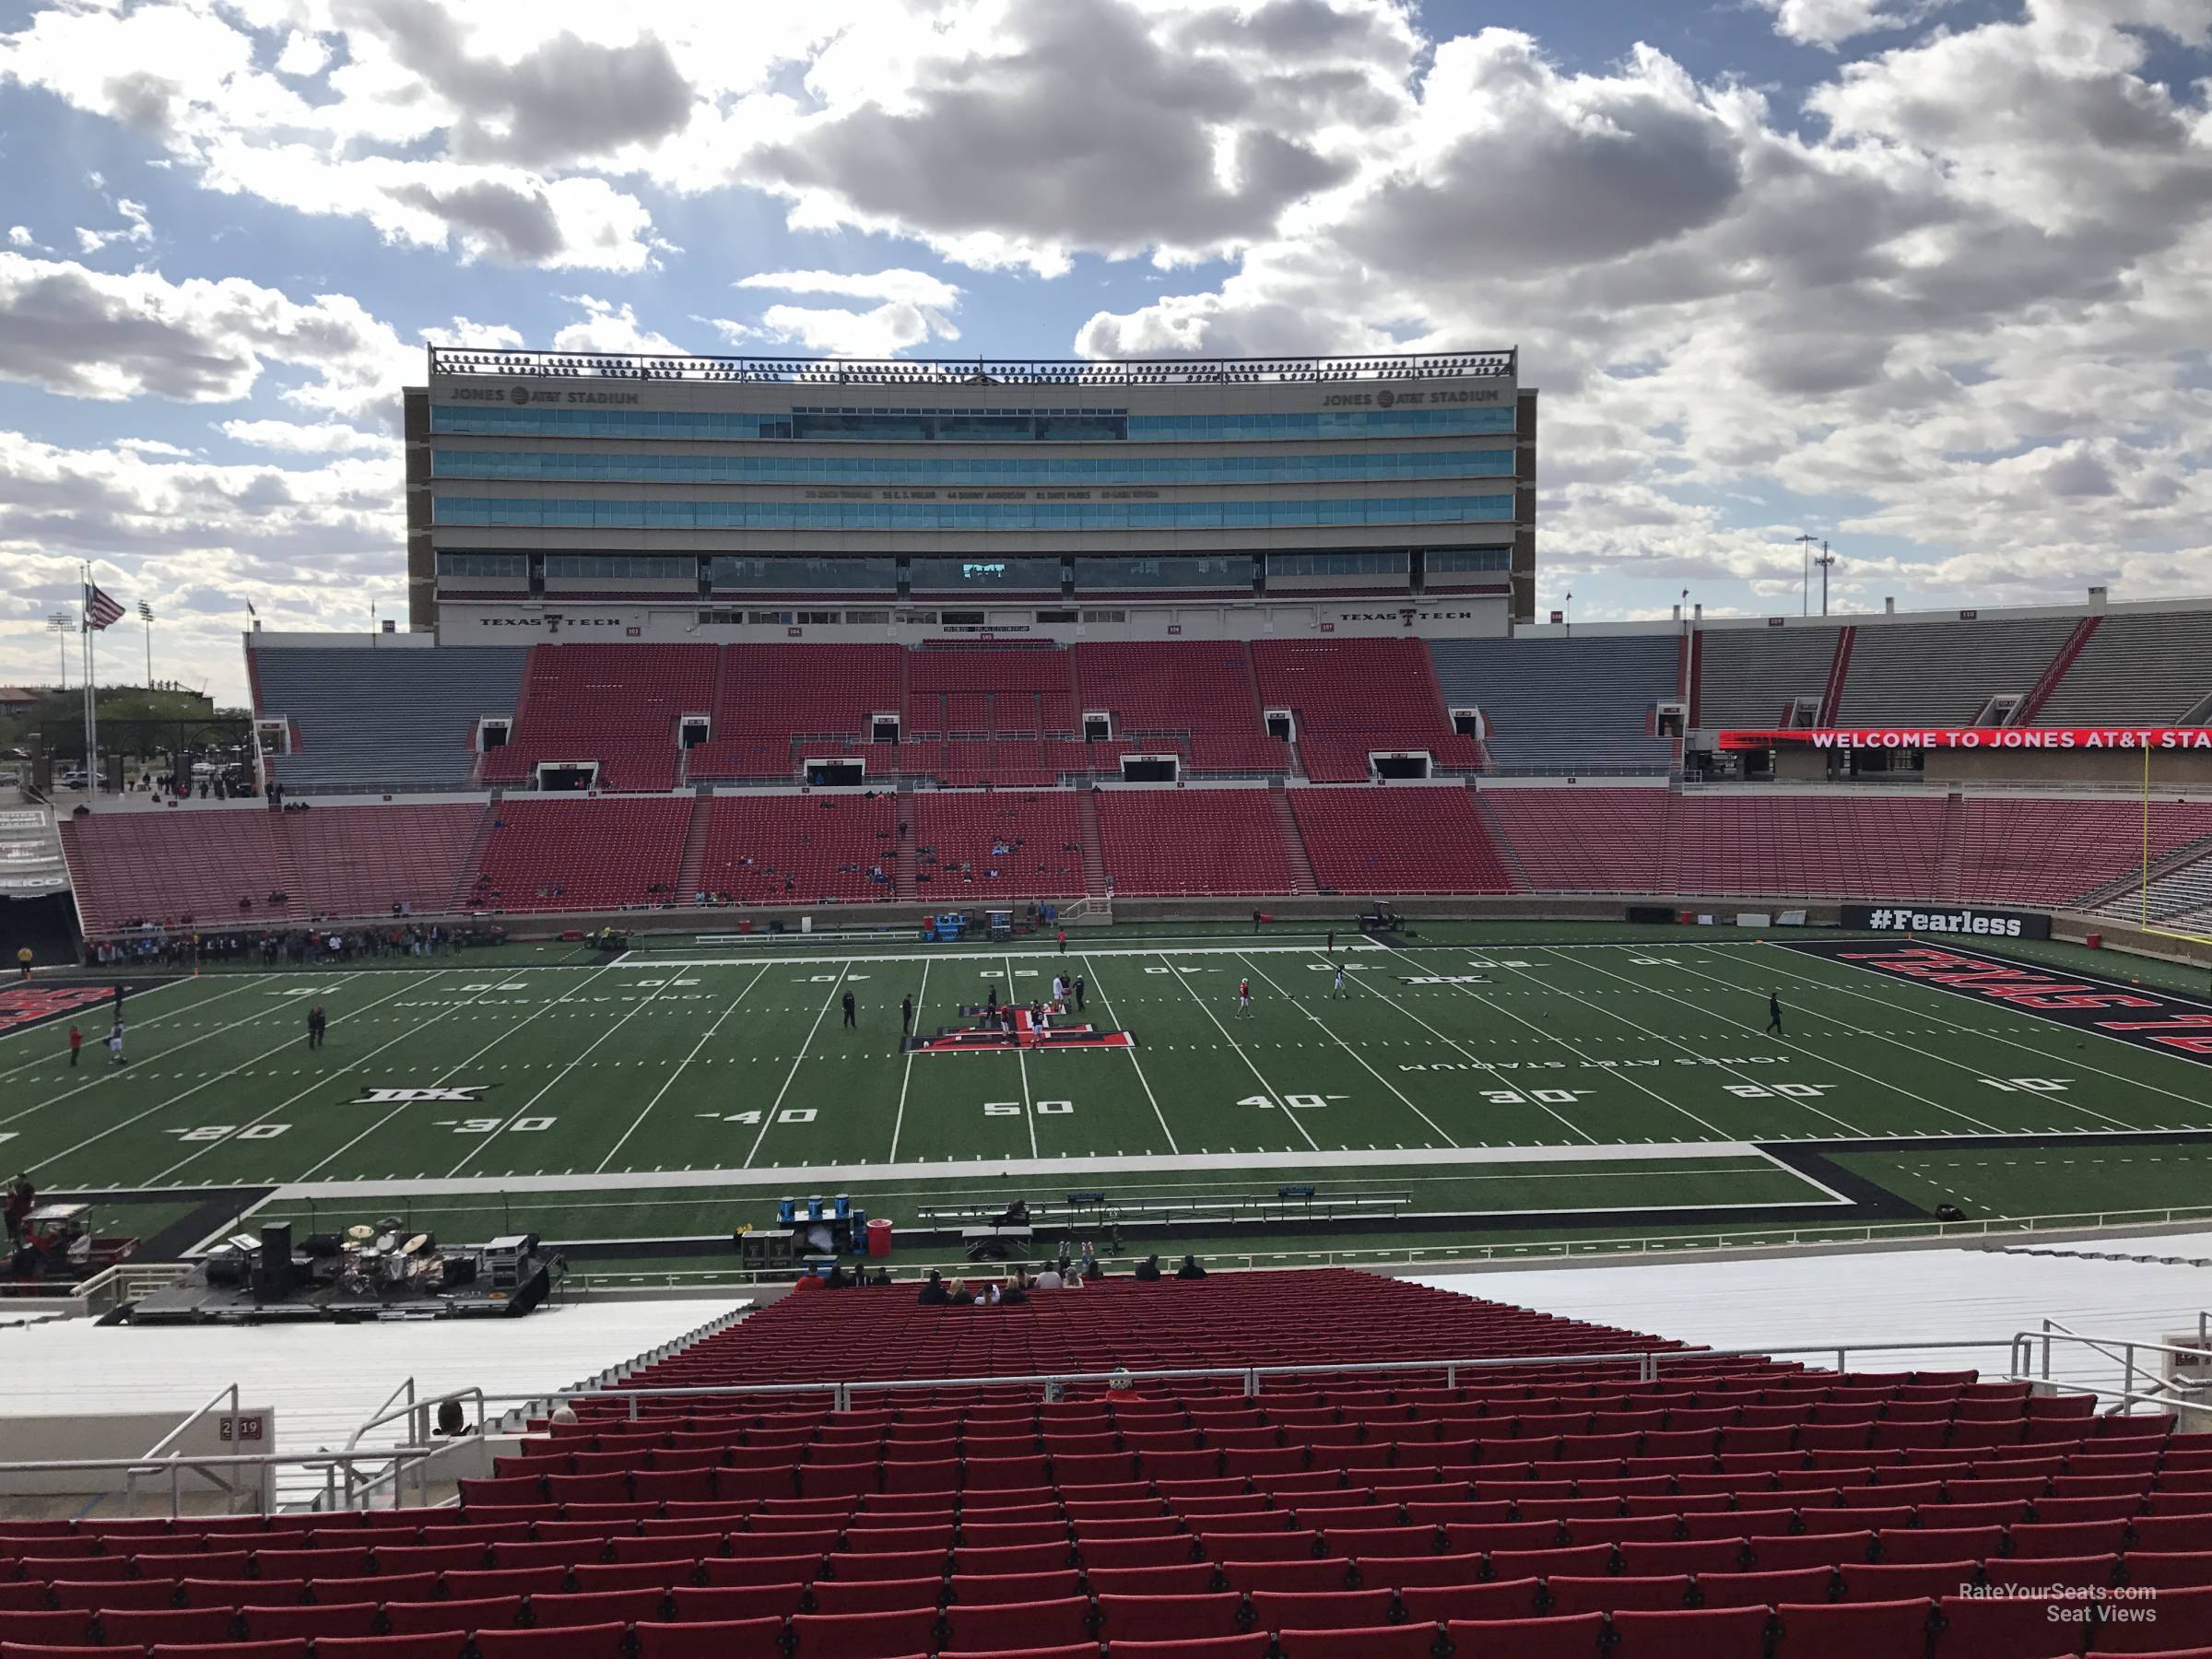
(795, 849)
(1581, 841)
(2139, 668)
(1198, 698)
(1192, 840)
(581, 854)
(383, 719)
(778, 705)
(1942, 674)
(1411, 839)
(970, 847)
(1813, 845)
(361, 861)
(2045, 851)
(1352, 697)
(617, 705)
(1751, 678)
(1565, 705)
(207, 867)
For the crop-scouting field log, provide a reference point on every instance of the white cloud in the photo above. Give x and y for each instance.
(911, 287)
(136, 228)
(886, 329)
(1999, 244)
(917, 308)
(19, 236)
(323, 438)
(82, 333)
(310, 548)
(1830, 23)
(606, 326)
(303, 54)
(488, 335)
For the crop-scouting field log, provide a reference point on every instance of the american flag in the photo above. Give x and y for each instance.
(100, 608)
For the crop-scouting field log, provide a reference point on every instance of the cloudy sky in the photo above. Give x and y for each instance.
(1931, 278)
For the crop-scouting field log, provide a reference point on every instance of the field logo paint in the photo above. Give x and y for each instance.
(400, 1097)
(2141, 1015)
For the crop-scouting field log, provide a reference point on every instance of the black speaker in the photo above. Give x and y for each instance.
(460, 1270)
(322, 1245)
(276, 1242)
(273, 1271)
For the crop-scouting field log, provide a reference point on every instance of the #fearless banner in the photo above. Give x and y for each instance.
(2096, 739)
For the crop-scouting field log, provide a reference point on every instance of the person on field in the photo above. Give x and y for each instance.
(76, 1043)
(1063, 941)
(906, 1014)
(316, 1022)
(115, 1043)
(1078, 993)
(849, 1020)
(1337, 989)
(23, 962)
(1244, 998)
(1774, 1012)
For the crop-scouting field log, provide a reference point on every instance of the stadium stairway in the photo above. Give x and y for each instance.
(1953, 860)
(690, 874)
(465, 884)
(1500, 840)
(907, 886)
(1294, 844)
(1094, 856)
(2052, 676)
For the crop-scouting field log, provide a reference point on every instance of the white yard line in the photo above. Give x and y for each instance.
(1389, 1001)
(209, 1083)
(1021, 1058)
(769, 1117)
(687, 1060)
(1632, 1081)
(1733, 1071)
(1089, 972)
(321, 1083)
(1268, 1088)
(465, 1065)
(61, 1023)
(557, 1078)
(992, 1168)
(98, 1037)
(1355, 1053)
(2027, 1048)
(899, 1123)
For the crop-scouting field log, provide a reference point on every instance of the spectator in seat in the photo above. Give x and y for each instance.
(1190, 1269)
(962, 1296)
(1048, 1279)
(1149, 1269)
(934, 1294)
(564, 1413)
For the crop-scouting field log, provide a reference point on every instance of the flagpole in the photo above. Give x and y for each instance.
(91, 710)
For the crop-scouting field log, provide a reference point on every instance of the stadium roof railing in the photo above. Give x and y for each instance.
(974, 371)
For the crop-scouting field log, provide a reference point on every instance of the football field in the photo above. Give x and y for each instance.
(1466, 1073)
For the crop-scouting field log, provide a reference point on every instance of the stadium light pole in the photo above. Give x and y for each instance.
(1825, 562)
(146, 615)
(60, 623)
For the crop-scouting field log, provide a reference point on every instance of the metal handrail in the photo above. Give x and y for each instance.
(2128, 1348)
(205, 1466)
(1648, 1362)
(388, 1413)
(130, 1484)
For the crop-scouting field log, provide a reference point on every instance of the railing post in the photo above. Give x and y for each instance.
(1450, 1375)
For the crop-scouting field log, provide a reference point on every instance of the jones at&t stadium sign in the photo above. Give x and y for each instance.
(2097, 739)
(1980, 923)
(520, 394)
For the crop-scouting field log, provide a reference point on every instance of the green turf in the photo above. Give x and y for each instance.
(639, 1075)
